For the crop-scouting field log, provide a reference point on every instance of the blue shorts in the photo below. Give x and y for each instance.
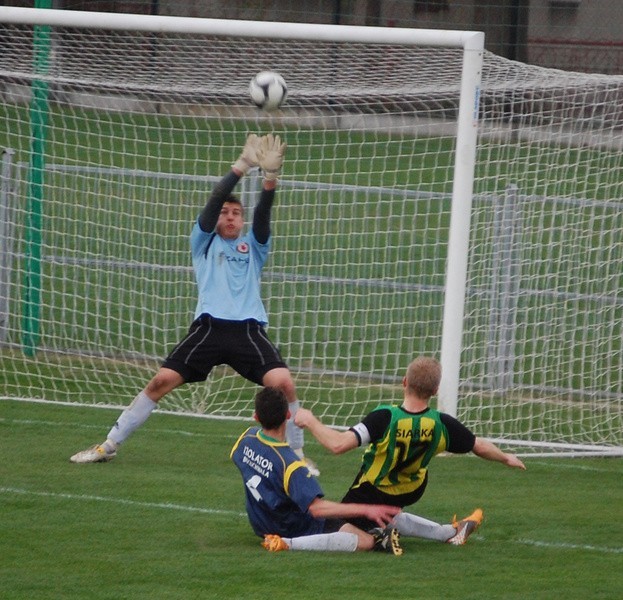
(333, 525)
(243, 345)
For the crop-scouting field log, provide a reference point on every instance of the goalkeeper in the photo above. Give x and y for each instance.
(401, 440)
(228, 327)
(286, 506)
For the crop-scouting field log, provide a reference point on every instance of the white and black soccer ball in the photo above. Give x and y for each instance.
(268, 90)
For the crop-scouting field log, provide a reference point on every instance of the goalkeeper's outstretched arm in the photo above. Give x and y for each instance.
(210, 213)
(248, 158)
(270, 155)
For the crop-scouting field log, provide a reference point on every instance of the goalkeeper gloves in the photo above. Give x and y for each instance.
(270, 156)
(249, 157)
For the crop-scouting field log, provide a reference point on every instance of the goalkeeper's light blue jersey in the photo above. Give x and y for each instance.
(277, 485)
(228, 275)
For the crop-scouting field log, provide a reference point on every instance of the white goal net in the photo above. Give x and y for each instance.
(113, 138)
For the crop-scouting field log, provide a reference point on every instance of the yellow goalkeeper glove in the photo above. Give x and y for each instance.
(271, 155)
(249, 156)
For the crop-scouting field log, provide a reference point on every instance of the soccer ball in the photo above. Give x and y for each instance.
(268, 90)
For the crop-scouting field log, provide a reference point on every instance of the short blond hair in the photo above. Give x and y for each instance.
(423, 377)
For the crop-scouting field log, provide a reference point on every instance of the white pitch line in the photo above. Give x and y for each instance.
(165, 505)
(210, 511)
(576, 466)
(564, 546)
(72, 425)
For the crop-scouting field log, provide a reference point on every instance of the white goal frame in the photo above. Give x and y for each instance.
(472, 43)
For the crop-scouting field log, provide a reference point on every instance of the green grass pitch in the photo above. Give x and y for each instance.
(166, 520)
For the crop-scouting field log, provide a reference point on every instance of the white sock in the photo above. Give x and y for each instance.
(413, 526)
(340, 541)
(294, 434)
(132, 418)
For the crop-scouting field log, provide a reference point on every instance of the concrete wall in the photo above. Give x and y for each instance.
(585, 35)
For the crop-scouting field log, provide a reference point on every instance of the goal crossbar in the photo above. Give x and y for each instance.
(469, 40)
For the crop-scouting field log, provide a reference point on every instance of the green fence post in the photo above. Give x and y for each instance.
(38, 123)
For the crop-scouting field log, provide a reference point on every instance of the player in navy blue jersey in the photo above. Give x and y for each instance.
(285, 504)
(230, 317)
(401, 440)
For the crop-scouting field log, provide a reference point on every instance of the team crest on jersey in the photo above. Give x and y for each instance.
(243, 248)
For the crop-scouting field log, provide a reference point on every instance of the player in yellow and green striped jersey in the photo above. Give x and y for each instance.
(401, 441)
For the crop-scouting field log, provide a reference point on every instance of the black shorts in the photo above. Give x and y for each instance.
(366, 493)
(243, 345)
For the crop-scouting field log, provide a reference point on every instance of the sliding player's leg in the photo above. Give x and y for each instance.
(347, 539)
(456, 533)
(320, 542)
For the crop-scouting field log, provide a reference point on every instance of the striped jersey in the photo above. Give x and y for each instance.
(402, 443)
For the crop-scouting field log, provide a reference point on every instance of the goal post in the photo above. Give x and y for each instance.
(430, 195)
(472, 44)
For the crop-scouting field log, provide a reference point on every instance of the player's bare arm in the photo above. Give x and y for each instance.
(381, 514)
(333, 440)
(489, 451)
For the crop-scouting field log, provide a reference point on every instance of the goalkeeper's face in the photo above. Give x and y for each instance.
(230, 221)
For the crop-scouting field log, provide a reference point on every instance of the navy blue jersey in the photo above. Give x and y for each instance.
(278, 486)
